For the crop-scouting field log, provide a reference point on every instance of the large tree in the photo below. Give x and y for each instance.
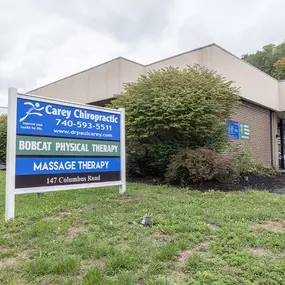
(171, 109)
(279, 68)
(268, 59)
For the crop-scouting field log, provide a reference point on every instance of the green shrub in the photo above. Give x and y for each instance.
(198, 166)
(245, 163)
(172, 109)
(266, 171)
(3, 138)
(242, 158)
(139, 164)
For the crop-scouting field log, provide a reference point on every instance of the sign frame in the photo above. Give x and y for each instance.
(11, 191)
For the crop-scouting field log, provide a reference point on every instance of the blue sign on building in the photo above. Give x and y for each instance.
(232, 128)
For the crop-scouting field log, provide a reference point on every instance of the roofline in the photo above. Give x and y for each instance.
(180, 54)
(281, 81)
(211, 45)
(245, 62)
(132, 61)
(155, 62)
(242, 99)
(85, 70)
(258, 105)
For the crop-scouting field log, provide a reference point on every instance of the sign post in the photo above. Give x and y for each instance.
(123, 152)
(11, 155)
(55, 145)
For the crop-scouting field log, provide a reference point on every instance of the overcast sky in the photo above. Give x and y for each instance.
(42, 41)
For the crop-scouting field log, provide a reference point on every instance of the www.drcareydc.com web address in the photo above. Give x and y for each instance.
(80, 133)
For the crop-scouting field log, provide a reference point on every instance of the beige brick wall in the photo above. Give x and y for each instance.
(259, 120)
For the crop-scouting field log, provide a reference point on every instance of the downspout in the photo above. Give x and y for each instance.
(272, 139)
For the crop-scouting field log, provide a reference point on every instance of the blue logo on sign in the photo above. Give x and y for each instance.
(33, 110)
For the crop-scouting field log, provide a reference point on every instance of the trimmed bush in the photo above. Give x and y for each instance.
(245, 163)
(198, 166)
(172, 109)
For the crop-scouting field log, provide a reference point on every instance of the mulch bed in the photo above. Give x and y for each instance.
(269, 183)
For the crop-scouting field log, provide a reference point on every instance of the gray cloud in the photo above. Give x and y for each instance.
(125, 20)
(20, 76)
(42, 41)
(52, 39)
(239, 26)
(148, 19)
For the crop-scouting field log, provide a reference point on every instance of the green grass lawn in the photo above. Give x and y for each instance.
(95, 237)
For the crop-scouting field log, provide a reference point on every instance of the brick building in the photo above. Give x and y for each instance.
(260, 137)
(258, 121)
